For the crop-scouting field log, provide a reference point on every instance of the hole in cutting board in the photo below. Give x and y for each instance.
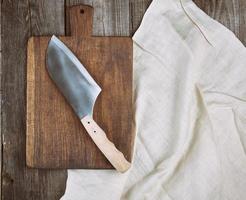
(82, 11)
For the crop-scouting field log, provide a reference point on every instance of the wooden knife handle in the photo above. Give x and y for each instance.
(115, 157)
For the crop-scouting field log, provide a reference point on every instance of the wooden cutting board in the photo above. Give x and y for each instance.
(55, 137)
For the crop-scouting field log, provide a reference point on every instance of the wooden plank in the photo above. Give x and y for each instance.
(15, 19)
(137, 10)
(56, 138)
(47, 17)
(21, 19)
(1, 98)
(231, 13)
(15, 30)
(111, 17)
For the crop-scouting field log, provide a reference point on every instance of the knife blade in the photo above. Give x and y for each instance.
(81, 91)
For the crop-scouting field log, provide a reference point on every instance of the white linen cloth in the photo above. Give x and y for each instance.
(190, 113)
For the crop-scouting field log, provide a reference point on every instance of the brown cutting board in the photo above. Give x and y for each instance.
(55, 138)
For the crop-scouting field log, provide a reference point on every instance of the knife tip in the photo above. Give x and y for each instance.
(53, 37)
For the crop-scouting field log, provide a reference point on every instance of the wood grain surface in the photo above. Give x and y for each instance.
(22, 18)
(55, 136)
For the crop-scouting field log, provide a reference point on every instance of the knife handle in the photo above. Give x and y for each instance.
(114, 156)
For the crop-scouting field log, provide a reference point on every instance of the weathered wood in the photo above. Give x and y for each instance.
(46, 17)
(13, 103)
(55, 136)
(232, 13)
(19, 22)
(111, 17)
(137, 10)
(0, 97)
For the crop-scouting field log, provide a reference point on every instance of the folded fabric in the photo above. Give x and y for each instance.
(190, 113)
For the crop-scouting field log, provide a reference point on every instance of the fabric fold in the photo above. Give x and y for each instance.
(189, 101)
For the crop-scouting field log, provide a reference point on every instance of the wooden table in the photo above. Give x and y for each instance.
(23, 18)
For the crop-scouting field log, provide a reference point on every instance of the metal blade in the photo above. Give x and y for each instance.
(72, 78)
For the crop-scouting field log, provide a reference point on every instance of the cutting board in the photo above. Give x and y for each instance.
(55, 137)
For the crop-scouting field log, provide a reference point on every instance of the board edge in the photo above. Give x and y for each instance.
(30, 101)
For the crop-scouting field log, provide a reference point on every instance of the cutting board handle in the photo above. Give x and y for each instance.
(81, 20)
(114, 156)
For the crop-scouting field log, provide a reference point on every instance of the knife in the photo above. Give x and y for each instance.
(81, 91)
